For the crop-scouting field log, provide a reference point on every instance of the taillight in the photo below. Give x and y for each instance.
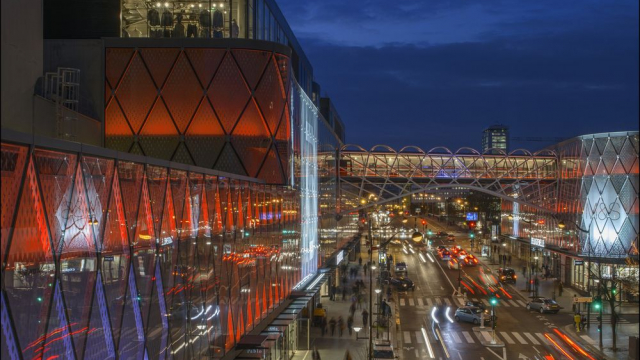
(515, 276)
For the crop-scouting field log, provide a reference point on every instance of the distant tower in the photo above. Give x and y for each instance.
(497, 137)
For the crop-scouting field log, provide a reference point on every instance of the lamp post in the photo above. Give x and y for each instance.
(530, 280)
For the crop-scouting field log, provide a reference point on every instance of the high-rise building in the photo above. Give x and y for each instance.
(495, 138)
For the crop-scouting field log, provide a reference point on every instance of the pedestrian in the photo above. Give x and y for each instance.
(344, 291)
(332, 325)
(323, 325)
(384, 308)
(524, 270)
(560, 288)
(584, 321)
(352, 308)
(350, 323)
(389, 293)
(577, 319)
(365, 317)
(340, 325)
(364, 268)
(314, 355)
(509, 259)
(317, 355)
(360, 261)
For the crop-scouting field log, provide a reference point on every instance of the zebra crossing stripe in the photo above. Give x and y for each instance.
(588, 339)
(438, 301)
(460, 301)
(456, 338)
(505, 303)
(420, 303)
(507, 338)
(411, 302)
(402, 302)
(531, 338)
(419, 337)
(519, 337)
(407, 337)
(521, 303)
(468, 337)
(485, 335)
(484, 301)
(544, 339)
(447, 301)
(429, 303)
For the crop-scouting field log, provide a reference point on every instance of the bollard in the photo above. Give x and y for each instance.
(482, 320)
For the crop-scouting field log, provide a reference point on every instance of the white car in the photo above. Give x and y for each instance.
(401, 267)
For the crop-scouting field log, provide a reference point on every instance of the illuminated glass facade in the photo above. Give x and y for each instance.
(108, 255)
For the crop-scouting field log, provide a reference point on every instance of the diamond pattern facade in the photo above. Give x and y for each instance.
(107, 258)
(221, 109)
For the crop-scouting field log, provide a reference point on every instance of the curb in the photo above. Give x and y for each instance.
(569, 331)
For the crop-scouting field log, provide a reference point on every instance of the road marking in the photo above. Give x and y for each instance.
(438, 301)
(460, 301)
(507, 338)
(521, 303)
(447, 301)
(456, 338)
(417, 353)
(468, 337)
(588, 339)
(429, 303)
(411, 302)
(484, 301)
(519, 337)
(505, 303)
(407, 337)
(420, 302)
(485, 335)
(474, 299)
(544, 339)
(531, 338)
(402, 302)
(419, 337)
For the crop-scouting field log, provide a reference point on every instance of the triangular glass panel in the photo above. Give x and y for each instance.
(229, 161)
(13, 162)
(116, 61)
(98, 176)
(271, 171)
(159, 137)
(99, 343)
(57, 341)
(182, 155)
(271, 97)
(251, 63)
(118, 135)
(178, 185)
(136, 149)
(157, 185)
(205, 62)
(228, 93)
(284, 70)
(56, 173)
(136, 93)
(131, 343)
(159, 61)
(182, 93)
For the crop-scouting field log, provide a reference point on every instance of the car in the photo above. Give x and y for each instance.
(543, 305)
(445, 255)
(383, 351)
(401, 283)
(441, 248)
(450, 237)
(473, 303)
(462, 254)
(471, 314)
(469, 261)
(395, 241)
(454, 264)
(442, 233)
(401, 267)
(507, 275)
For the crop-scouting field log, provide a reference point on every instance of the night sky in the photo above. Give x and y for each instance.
(436, 73)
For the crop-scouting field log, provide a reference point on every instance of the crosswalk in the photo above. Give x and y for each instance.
(455, 301)
(477, 337)
(606, 319)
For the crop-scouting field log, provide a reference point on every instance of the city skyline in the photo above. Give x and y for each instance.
(570, 66)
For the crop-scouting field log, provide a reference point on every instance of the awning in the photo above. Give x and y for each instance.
(251, 341)
(284, 316)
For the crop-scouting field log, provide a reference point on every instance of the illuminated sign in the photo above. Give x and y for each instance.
(108, 258)
(579, 262)
(537, 242)
(472, 216)
(339, 257)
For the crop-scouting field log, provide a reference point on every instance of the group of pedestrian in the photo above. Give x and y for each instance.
(580, 321)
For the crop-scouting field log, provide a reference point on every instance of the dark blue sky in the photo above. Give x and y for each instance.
(432, 73)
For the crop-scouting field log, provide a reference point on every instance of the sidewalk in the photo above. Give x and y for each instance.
(589, 339)
(334, 347)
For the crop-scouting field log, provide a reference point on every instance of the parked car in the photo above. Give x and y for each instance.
(471, 314)
(401, 267)
(543, 305)
(383, 351)
(473, 303)
(507, 275)
(401, 283)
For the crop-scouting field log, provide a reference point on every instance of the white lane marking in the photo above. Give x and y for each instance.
(544, 339)
(521, 303)
(419, 337)
(411, 302)
(505, 303)
(424, 335)
(420, 302)
(468, 337)
(456, 338)
(484, 301)
(588, 339)
(402, 302)
(519, 337)
(429, 302)
(507, 338)
(531, 338)
(406, 337)
(447, 301)
(417, 353)
(474, 299)
(485, 335)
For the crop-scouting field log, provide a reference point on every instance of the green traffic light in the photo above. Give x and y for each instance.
(472, 236)
(493, 301)
(597, 306)
(39, 299)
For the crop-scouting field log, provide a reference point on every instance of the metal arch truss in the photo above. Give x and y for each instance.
(383, 175)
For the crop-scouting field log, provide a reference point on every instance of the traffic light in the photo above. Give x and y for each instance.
(599, 327)
(614, 291)
(597, 303)
(424, 222)
(471, 224)
(429, 232)
(472, 235)
(493, 301)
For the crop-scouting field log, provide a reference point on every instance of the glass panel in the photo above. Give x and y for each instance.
(13, 161)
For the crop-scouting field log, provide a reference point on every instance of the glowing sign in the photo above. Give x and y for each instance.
(537, 242)
(339, 257)
(472, 216)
